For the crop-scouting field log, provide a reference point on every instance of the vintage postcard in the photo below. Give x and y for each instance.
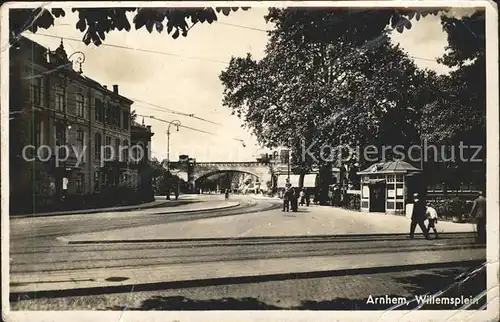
(250, 161)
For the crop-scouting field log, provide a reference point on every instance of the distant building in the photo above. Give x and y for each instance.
(141, 160)
(53, 105)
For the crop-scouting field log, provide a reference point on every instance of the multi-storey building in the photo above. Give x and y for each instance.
(51, 106)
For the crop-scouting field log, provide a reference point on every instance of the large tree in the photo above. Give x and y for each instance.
(315, 86)
(319, 85)
(459, 118)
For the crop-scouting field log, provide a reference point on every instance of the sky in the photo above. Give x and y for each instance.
(187, 78)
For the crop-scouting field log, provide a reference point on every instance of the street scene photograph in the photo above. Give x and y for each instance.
(269, 157)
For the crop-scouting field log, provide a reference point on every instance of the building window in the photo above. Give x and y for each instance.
(97, 183)
(117, 149)
(60, 100)
(113, 115)
(118, 117)
(125, 151)
(36, 90)
(108, 148)
(97, 146)
(126, 120)
(39, 133)
(80, 105)
(60, 138)
(80, 140)
(80, 182)
(99, 110)
(107, 114)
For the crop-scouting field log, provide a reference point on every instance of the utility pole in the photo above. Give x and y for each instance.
(177, 124)
(289, 158)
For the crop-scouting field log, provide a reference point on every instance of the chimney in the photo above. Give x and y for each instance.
(148, 127)
(115, 89)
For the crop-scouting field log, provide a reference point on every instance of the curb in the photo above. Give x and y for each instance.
(88, 211)
(236, 204)
(273, 239)
(105, 210)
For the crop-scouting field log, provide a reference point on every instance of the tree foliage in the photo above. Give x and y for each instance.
(95, 23)
(326, 81)
(461, 113)
(133, 116)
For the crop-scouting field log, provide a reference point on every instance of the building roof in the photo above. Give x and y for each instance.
(141, 128)
(89, 81)
(397, 166)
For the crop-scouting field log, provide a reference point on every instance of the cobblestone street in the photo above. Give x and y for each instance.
(350, 292)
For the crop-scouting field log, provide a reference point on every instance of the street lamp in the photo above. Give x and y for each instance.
(289, 152)
(274, 176)
(177, 123)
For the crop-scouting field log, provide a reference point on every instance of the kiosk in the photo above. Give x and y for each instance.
(384, 187)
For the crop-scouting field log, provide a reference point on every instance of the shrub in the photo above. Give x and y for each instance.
(353, 202)
(449, 208)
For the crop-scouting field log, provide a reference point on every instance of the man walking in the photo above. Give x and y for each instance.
(286, 198)
(478, 211)
(418, 216)
(295, 200)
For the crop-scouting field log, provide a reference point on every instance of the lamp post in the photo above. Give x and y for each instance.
(177, 123)
(274, 176)
(289, 158)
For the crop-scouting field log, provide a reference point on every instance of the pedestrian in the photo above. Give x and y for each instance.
(478, 212)
(418, 217)
(302, 196)
(337, 196)
(343, 197)
(294, 200)
(286, 198)
(308, 197)
(432, 217)
(226, 194)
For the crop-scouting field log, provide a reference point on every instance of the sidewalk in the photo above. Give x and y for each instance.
(179, 205)
(262, 197)
(152, 204)
(309, 221)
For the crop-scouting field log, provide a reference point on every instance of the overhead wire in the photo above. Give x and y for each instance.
(137, 49)
(158, 107)
(184, 126)
(193, 57)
